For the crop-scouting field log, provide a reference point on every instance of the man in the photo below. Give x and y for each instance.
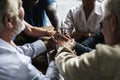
(36, 12)
(15, 62)
(103, 62)
(84, 19)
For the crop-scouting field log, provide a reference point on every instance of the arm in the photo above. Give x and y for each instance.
(92, 41)
(52, 13)
(28, 72)
(69, 22)
(74, 67)
(89, 44)
(36, 48)
(32, 50)
(37, 32)
(80, 49)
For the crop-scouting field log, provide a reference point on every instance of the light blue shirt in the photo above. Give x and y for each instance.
(15, 63)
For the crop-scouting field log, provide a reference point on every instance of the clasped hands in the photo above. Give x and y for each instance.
(59, 40)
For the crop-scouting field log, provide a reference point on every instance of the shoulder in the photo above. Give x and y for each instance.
(108, 51)
(98, 8)
(98, 3)
(108, 59)
(76, 8)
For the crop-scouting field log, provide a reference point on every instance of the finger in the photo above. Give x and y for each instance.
(68, 36)
(65, 37)
(54, 39)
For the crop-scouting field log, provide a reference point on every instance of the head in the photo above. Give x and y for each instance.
(111, 22)
(12, 16)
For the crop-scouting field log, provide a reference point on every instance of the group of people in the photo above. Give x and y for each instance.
(72, 60)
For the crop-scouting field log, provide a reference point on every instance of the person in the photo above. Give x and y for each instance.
(103, 62)
(15, 61)
(84, 19)
(36, 12)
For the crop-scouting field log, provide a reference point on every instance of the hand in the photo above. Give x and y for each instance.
(64, 40)
(62, 36)
(50, 44)
(50, 33)
(68, 44)
(49, 30)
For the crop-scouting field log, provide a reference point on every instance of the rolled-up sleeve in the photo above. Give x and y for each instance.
(32, 49)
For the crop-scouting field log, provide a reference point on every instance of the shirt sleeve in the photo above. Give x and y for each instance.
(69, 22)
(80, 49)
(53, 72)
(28, 72)
(94, 40)
(74, 67)
(32, 49)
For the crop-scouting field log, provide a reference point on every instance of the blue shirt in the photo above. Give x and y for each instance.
(37, 16)
(15, 63)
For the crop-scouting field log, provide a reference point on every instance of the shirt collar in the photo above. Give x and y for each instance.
(97, 9)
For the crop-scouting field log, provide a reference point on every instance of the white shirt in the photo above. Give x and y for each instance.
(15, 63)
(76, 19)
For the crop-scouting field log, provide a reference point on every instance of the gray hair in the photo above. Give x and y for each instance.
(112, 6)
(8, 7)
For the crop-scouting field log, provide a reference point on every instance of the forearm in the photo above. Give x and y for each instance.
(53, 15)
(80, 49)
(64, 56)
(34, 31)
(69, 64)
(56, 21)
(32, 50)
(38, 32)
(94, 40)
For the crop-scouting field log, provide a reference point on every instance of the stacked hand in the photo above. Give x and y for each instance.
(64, 40)
(59, 40)
(55, 40)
